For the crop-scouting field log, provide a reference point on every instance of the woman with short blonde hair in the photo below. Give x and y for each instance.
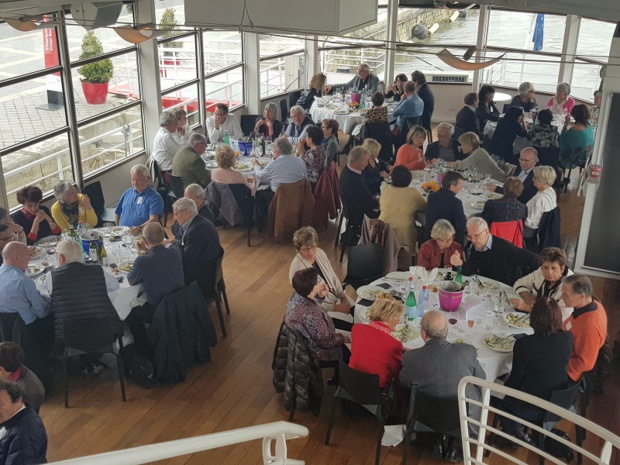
(377, 170)
(477, 158)
(436, 252)
(544, 201)
(315, 89)
(226, 173)
(410, 153)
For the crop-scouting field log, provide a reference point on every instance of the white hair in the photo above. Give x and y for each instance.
(196, 190)
(70, 249)
(185, 204)
(478, 222)
(298, 110)
(447, 126)
(61, 189)
(273, 108)
(284, 145)
(166, 118)
(196, 138)
(139, 168)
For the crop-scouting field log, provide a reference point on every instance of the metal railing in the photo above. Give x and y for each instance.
(273, 434)
(605, 440)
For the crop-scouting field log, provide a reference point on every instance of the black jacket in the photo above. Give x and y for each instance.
(484, 114)
(466, 121)
(443, 205)
(529, 190)
(356, 197)
(307, 97)
(426, 94)
(181, 332)
(504, 262)
(432, 151)
(504, 138)
(25, 441)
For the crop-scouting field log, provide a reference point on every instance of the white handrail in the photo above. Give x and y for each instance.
(607, 440)
(278, 431)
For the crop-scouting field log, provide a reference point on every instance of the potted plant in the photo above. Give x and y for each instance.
(96, 75)
(169, 22)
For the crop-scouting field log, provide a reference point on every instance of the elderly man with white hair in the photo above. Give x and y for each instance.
(494, 257)
(72, 208)
(296, 131)
(444, 148)
(363, 80)
(140, 204)
(165, 145)
(197, 194)
(199, 244)
(188, 165)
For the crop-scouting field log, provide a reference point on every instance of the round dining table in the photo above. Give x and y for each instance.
(477, 306)
(348, 119)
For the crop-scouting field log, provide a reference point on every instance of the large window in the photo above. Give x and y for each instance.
(281, 73)
(221, 50)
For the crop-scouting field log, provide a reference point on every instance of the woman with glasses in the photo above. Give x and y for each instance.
(35, 219)
(309, 255)
(436, 252)
(72, 208)
(6, 220)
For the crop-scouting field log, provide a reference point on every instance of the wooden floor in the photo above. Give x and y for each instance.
(235, 389)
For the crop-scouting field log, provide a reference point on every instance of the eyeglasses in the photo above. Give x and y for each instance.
(476, 236)
(309, 248)
(527, 161)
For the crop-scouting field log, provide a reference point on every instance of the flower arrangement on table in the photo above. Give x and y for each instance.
(430, 186)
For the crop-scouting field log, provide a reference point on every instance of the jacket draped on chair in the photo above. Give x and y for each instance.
(291, 208)
(326, 198)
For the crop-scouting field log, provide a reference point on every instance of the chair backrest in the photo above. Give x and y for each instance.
(176, 185)
(291, 208)
(564, 398)
(440, 415)
(248, 122)
(88, 334)
(549, 229)
(365, 261)
(283, 110)
(549, 156)
(512, 231)
(95, 193)
(358, 387)
(7, 322)
(409, 123)
(293, 97)
(245, 201)
(381, 133)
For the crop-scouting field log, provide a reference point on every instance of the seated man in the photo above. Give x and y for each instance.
(297, 129)
(363, 80)
(528, 159)
(188, 165)
(78, 290)
(197, 194)
(494, 257)
(140, 204)
(6, 236)
(283, 169)
(12, 368)
(24, 440)
(165, 145)
(410, 106)
(223, 122)
(200, 245)
(19, 294)
(445, 148)
(443, 205)
(436, 369)
(160, 271)
(588, 323)
(356, 198)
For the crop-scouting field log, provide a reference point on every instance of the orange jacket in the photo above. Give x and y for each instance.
(411, 157)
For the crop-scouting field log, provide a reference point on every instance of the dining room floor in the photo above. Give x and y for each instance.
(235, 389)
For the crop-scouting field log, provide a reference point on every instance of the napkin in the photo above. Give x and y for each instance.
(393, 435)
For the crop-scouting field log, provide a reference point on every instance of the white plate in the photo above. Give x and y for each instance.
(243, 166)
(502, 349)
(405, 333)
(37, 252)
(341, 112)
(118, 230)
(211, 164)
(331, 107)
(525, 322)
(35, 270)
(479, 204)
(399, 275)
(49, 240)
(370, 292)
(125, 267)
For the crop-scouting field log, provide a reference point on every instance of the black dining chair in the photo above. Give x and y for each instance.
(365, 264)
(97, 200)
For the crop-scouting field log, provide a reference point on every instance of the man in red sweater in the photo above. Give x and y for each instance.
(588, 323)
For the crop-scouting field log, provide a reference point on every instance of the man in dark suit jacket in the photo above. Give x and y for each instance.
(426, 94)
(436, 369)
(494, 257)
(445, 147)
(466, 119)
(443, 205)
(200, 245)
(355, 195)
(528, 159)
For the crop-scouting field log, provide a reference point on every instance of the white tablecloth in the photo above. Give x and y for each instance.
(346, 122)
(494, 363)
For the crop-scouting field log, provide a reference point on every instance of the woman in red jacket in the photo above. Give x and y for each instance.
(373, 349)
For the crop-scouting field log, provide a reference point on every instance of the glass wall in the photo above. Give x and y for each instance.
(282, 73)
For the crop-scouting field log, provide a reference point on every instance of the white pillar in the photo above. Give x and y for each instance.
(481, 43)
(390, 54)
(148, 62)
(569, 48)
(251, 72)
(312, 57)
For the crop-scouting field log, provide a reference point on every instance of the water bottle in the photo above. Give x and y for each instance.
(363, 99)
(226, 138)
(459, 276)
(92, 252)
(410, 303)
(423, 302)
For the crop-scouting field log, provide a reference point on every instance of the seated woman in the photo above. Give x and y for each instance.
(315, 88)
(71, 208)
(436, 252)
(544, 201)
(314, 158)
(539, 365)
(525, 99)
(373, 349)
(561, 103)
(12, 368)
(309, 255)
(507, 208)
(410, 153)
(226, 173)
(305, 314)
(183, 132)
(576, 141)
(444, 148)
(398, 89)
(543, 134)
(546, 281)
(378, 113)
(36, 220)
(399, 203)
(476, 158)
(18, 233)
(376, 170)
(268, 125)
(486, 111)
(330, 141)
(508, 128)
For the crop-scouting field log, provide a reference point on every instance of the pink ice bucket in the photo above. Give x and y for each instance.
(450, 295)
(356, 97)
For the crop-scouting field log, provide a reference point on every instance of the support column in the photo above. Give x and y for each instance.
(390, 54)
(251, 72)
(569, 48)
(148, 66)
(481, 43)
(312, 57)
(202, 94)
